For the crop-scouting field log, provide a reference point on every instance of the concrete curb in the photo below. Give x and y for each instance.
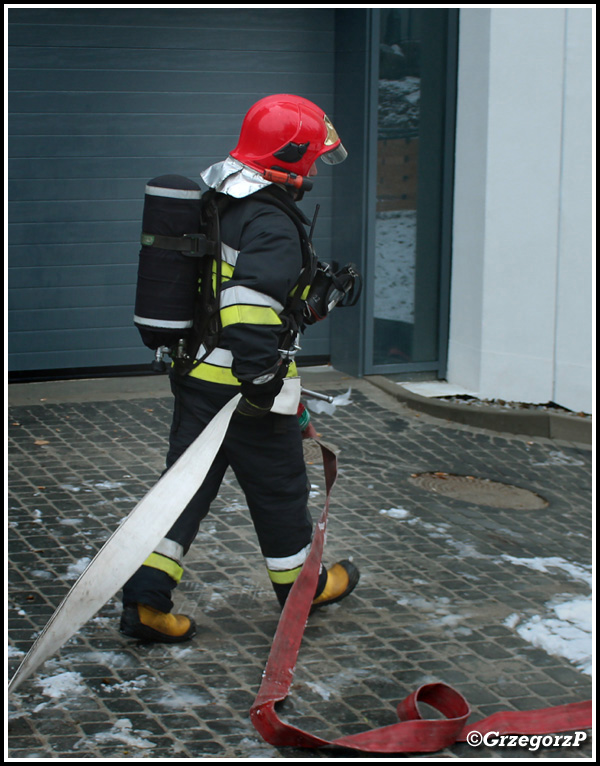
(527, 423)
(79, 390)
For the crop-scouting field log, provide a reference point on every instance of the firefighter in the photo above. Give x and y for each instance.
(265, 258)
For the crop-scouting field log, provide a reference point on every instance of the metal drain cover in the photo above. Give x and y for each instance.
(479, 491)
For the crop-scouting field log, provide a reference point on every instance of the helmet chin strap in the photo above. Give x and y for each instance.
(297, 182)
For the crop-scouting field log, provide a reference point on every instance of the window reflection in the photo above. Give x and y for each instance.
(397, 175)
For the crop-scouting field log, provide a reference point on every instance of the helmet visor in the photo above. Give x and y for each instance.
(335, 156)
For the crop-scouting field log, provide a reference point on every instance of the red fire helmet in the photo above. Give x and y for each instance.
(289, 133)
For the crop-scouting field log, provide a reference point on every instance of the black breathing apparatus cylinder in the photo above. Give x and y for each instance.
(168, 270)
(177, 296)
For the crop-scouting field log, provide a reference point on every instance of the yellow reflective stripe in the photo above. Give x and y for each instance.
(224, 375)
(226, 270)
(241, 314)
(172, 568)
(226, 274)
(305, 292)
(284, 578)
(215, 374)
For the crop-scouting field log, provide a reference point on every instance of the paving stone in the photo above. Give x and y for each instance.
(448, 588)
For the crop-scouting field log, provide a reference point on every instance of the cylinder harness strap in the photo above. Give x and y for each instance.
(412, 734)
(188, 244)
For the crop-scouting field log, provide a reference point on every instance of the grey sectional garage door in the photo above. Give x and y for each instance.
(100, 101)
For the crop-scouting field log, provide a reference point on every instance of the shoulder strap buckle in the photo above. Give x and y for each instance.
(200, 245)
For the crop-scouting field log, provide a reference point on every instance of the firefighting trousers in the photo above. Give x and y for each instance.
(266, 457)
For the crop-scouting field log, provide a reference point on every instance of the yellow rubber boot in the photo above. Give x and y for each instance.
(342, 578)
(149, 624)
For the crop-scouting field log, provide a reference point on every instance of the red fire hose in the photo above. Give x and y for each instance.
(412, 734)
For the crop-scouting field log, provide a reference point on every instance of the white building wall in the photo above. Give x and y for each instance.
(520, 328)
(575, 284)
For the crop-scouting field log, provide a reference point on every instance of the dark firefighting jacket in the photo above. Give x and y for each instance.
(264, 262)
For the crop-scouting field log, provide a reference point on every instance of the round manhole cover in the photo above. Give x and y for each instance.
(479, 491)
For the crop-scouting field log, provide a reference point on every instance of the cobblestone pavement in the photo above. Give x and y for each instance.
(494, 601)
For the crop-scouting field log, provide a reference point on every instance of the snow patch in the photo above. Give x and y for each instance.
(565, 629)
(234, 507)
(318, 689)
(565, 626)
(395, 513)
(123, 732)
(559, 458)
(109, 484)
(127, 686)
(440, 612)
(545, 564)
(67, 683)
(184, 699)
(259, 749)
(42, 574)
(111, 659)
(76, 569)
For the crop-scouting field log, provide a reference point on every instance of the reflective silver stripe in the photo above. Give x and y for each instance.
(229, 254)
(239, 295)
(159, 191)
(287, 562)
(220, 357)
(169, 324)
(171, 550)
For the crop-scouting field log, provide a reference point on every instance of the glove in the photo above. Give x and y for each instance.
(256, 401)
(247, 409)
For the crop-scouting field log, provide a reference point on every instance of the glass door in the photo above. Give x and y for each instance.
(415, 117)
